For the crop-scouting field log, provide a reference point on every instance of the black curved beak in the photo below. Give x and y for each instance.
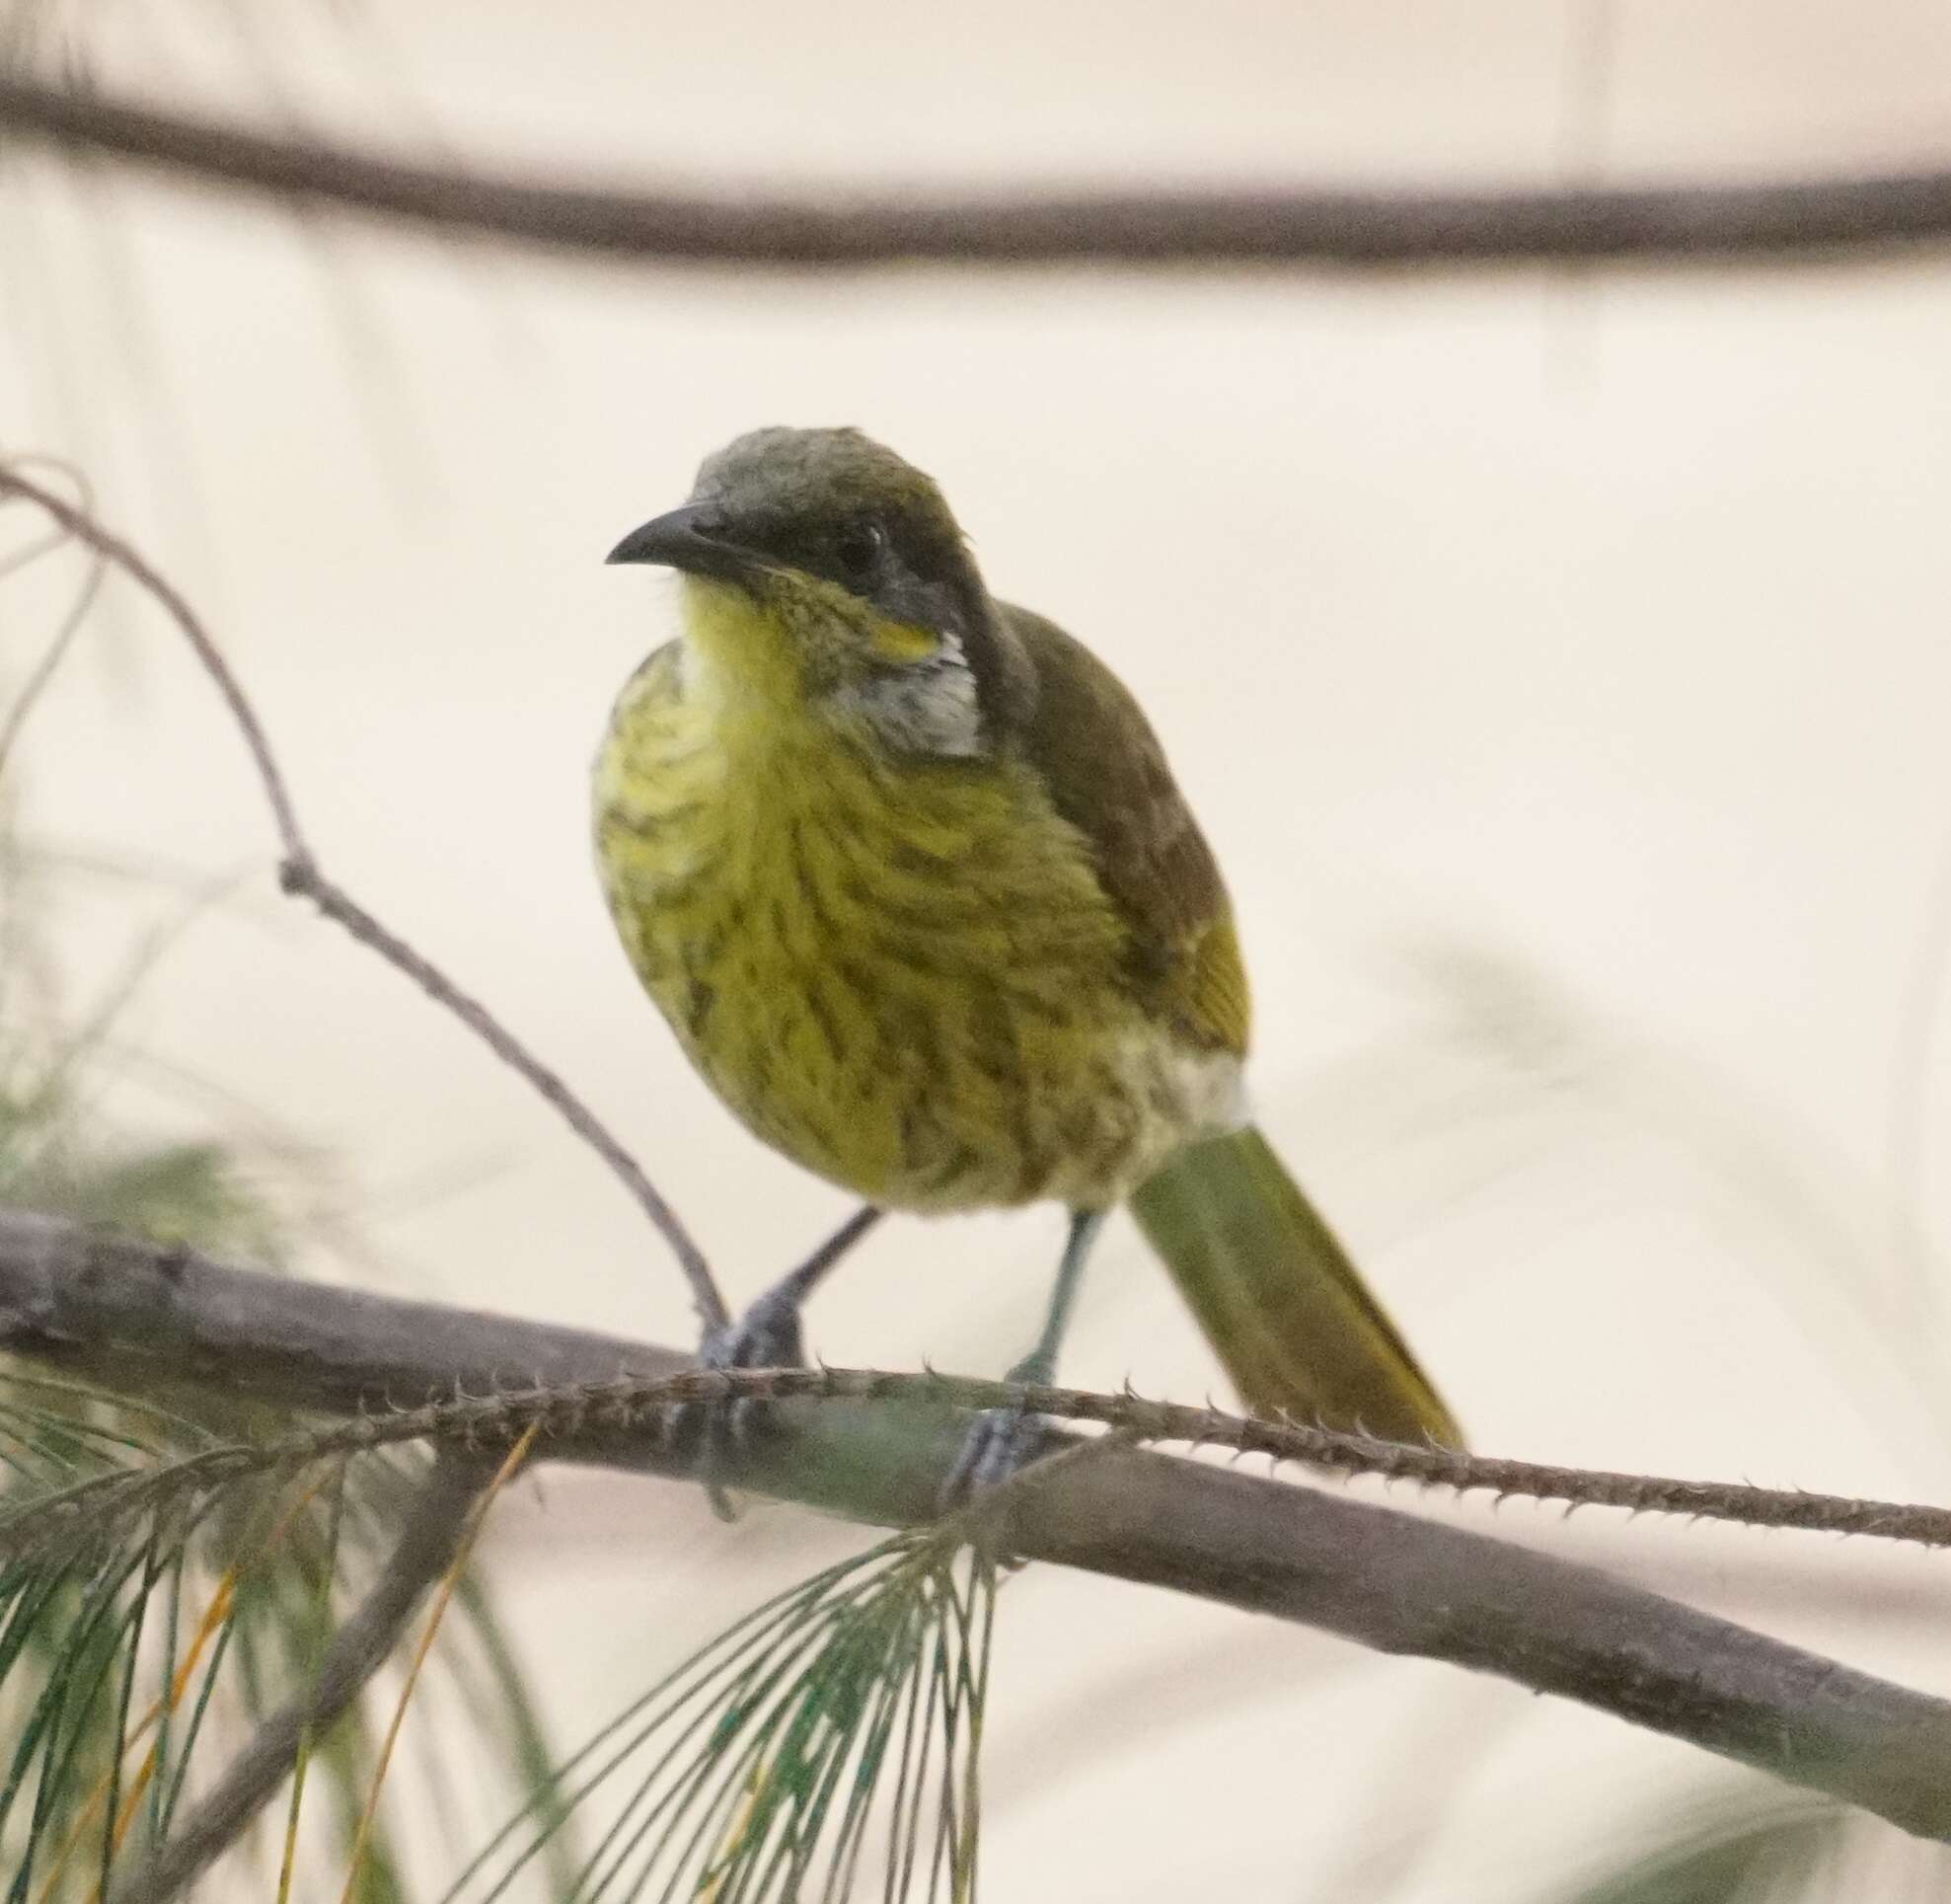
(694, 540)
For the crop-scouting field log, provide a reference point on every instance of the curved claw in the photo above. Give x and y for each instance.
(768, 1336)
(999, 1443)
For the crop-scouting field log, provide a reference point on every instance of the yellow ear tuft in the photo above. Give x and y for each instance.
(904, 641)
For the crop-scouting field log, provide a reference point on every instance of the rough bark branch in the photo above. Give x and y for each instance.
(1676, 225)
(121, 1310)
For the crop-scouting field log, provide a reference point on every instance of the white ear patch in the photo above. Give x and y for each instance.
(928, 706)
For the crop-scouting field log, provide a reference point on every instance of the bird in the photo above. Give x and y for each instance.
(906, 871)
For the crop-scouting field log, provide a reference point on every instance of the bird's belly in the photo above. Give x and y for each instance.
(924, 1000)
(936, 1096)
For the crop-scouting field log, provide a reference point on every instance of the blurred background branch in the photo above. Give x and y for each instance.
(1806, 217)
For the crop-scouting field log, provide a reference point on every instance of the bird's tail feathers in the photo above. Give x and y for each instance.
(1278, 1298)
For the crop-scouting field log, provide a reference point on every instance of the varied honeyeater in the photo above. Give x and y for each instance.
(906, 871)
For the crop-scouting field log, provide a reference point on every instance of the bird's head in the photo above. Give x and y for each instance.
(823, 569)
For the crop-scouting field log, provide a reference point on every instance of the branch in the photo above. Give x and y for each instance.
(435, 1522)
(136, 1313)
(1680, 224)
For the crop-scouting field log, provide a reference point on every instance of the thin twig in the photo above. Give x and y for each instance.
(24, 557)
(655, 1406)
(434, 1523)
(1796, 218)
(52, 656)
(300, 874)
(82, 525)
(303, 876)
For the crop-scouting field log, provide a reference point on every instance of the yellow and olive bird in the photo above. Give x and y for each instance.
(906, 871)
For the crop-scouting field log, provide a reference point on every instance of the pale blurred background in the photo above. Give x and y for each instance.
(1557, 659)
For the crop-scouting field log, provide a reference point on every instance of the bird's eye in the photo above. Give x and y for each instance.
(858, 548)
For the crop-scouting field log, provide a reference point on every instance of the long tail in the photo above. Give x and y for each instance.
(1278, 1298)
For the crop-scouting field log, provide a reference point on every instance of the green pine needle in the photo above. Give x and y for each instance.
(145, 1630)
(759, 1768)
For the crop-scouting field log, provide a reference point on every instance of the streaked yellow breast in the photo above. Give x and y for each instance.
(901, 972)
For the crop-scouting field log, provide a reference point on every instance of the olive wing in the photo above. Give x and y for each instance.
(1107, 775)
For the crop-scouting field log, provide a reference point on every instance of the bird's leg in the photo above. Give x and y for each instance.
(1001, 1440)
(768, 1336)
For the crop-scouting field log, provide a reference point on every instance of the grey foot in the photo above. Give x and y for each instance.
(766, 1336)
(999, 1443)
